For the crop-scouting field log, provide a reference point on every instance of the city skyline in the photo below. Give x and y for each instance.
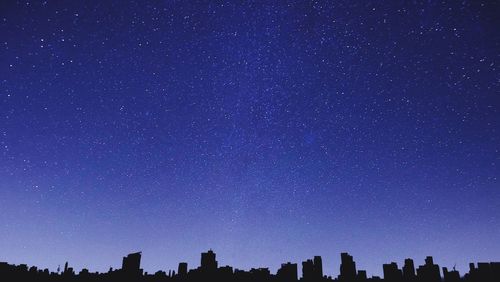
(312, 271)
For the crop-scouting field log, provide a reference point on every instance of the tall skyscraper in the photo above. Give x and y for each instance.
(182, 270)
(409, 270)
(392, 273)
(132, 263)
(308, 270)
(208, 261)
(318, 267)
(347, 268)
(429, 272)
(287, 272)
(312, 270)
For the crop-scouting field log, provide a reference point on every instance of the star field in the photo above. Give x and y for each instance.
(270, 131)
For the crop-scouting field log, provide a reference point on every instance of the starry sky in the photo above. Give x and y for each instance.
(270, 131)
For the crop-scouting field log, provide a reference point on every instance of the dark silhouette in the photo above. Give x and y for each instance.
(182, 270)
(208, 262)
(392, 273)
(409, 270)
(287, 272)
(131, 265)
(347, 268)
(312, 271)
(429, 271)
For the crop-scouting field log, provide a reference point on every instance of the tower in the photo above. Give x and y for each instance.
(409, 270)
(208, 261)
(347, 268)
(318, 267)
(132, 264)
(182, 270)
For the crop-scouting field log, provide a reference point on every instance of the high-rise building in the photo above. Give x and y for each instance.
(308, 270)
(318, 267)
(208, 261)
(451, 276)
(347, 268)
(483, 271)
(182, 270)
(409, 270)
(287, 272)
(132, 263)
(392, 273)
(312, 270)
(429, 272)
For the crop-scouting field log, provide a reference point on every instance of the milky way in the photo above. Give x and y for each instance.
(270, 131)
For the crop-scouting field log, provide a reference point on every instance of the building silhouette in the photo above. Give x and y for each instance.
(208, 262)
(362, 276)
(182, 270)
(450, 276)
(287, 272)
(347, 268)
(409, 270)
(488, 272)
(429, 271)
(392, 273)
(312, 271)
(318, 267)
(131, 264)
(308, 270)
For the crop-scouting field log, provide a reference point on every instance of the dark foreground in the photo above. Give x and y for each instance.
(312, 271)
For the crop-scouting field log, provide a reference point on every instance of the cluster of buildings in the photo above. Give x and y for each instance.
(209, 270)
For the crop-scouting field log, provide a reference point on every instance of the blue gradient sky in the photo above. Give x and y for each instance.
(270, 131)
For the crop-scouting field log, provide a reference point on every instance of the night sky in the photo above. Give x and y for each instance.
(270, 131)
